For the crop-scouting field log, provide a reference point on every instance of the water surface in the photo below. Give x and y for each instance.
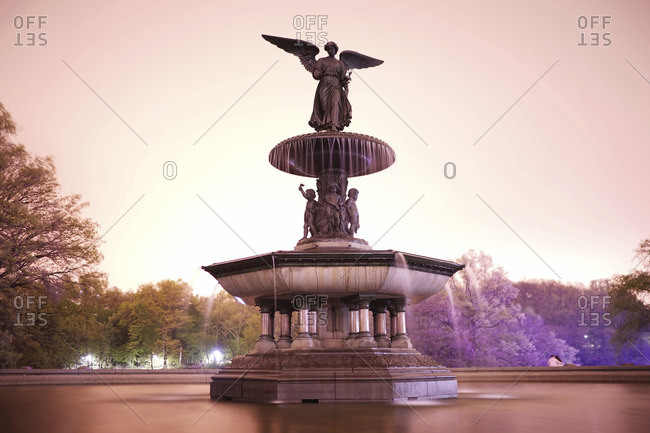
(526, 407)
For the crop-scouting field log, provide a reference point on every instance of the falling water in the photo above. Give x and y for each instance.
(403, 273)
(474, 286)
(208, 312)
(452, 306)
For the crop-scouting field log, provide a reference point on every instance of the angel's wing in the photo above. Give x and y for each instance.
(305, 51)
(354, 60)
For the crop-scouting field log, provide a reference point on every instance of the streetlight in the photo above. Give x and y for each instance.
(216, 356)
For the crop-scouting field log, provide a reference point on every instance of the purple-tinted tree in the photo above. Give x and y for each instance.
(477, 321)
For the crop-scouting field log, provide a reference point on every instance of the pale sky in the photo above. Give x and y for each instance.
(554, 186)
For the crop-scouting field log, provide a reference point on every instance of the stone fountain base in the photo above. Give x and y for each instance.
(333, 376)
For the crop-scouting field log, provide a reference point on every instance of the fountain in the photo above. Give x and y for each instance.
(332, 282)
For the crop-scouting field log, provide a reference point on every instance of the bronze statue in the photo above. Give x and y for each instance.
(332, 211)
(332, 110)
(329, 217)
(310, 211)
(352, 211)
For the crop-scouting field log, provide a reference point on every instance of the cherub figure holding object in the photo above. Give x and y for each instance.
(353, 212)
(310, 211)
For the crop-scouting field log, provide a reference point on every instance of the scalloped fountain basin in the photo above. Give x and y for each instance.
(386, 274)
(313, 154)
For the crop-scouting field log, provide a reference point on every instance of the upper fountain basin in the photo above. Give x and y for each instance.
(284, 274)
(311, 155)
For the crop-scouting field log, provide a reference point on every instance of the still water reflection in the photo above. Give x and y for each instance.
(527, 407)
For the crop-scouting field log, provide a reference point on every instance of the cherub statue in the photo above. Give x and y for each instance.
(332, 110)
(310, 211)
(352, 211)
(333, 210)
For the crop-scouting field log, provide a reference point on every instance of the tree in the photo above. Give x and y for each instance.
(44, 239)
(576, 314)
(155, 319)
(479, 322)
(172, 303)
(83, 316)
(198, 344)
(631, 308)
(235, 325)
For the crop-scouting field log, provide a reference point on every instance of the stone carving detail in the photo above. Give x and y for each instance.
(332, 215)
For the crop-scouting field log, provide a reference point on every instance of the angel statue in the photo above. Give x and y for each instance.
(332, 110)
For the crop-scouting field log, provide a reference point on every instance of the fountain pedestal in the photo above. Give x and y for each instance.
(322, 375)
(348, 293)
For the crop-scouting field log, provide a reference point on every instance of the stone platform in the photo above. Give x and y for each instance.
(333, 376)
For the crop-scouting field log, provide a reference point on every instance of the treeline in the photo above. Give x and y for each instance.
(159, 325)
(484, 319)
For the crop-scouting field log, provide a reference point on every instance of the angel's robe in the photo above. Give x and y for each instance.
(332, 110)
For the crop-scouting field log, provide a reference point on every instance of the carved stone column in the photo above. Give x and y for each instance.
(378, 308)
(393, 320)
(265, 342)
(400, 340)
(353, 320)
(364, 339)
(286, 309)
(313, 326)
(303, 340)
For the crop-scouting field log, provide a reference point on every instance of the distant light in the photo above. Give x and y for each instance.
(88, 358)
(216, 356)
(585, 335)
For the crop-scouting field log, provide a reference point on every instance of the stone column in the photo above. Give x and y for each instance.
(400, 340)
(364, 339)
(353, 320)
(378, 308)
(313, 326)
(265, 342)
(285, 308)
(393, 320)
(303, 340)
